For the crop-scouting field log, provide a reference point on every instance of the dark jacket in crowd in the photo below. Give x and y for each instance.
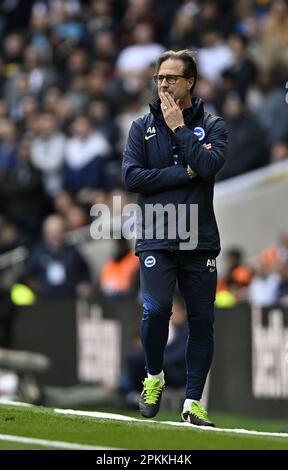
(23, 200)
(247, 149)
(57, 273)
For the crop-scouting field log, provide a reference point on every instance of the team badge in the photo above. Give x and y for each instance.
(150, 261)
(199, 132)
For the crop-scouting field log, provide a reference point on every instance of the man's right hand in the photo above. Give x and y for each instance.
(207, 146)
(191, 173)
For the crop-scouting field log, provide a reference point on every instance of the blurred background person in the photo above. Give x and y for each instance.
(54, 268)
(48, 150)
(22, 194)
(119, 275)
(85, 159)
(247, 147)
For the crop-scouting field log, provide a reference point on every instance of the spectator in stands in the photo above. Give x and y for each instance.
(264, 285)
(269, 284)
(63, 202)
(40, 73)
(10, 236)
(279, 151)
(66, 23)
(215, 56)
(77, 64)
(76, 218)
(135, 106)
(3, 104)
(237, 275)
(118, 277)
(8, 147)
(101, 17)
(247, 147)
(27, 114)
(139, 11)
(282, 291)
(48, 149)
(243, 70)
(85, 158)
(272, 111)
(39, 28)
(283, 247)
(13, 52)
(54, 268)
(215, 15)
(78, 94)
(184, 31)
(105, 47)
(100, 113)
(273, 45)
(50, 99)
(207, 91)
(133, 60)
(101, 118)
(22, 195)
(65, 113)
(276, 255)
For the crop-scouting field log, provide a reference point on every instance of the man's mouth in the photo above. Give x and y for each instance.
(169, 92)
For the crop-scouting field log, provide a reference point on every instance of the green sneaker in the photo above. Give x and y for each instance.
(196, 415)
(149, 401)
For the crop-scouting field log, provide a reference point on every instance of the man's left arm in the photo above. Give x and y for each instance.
(204, 162)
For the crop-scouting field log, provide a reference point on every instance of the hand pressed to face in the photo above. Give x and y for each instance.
(171, 110)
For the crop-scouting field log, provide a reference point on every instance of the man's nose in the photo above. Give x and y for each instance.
(164, 85)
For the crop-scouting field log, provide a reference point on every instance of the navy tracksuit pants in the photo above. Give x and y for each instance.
(196, 275)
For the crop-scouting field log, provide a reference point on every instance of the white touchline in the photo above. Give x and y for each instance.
(117, 417)
(3, 401)
(54, 444)
(98, 414)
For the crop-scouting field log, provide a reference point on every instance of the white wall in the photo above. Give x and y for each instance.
(252, 210)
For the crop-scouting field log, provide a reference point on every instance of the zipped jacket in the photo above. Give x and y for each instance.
(155, 166)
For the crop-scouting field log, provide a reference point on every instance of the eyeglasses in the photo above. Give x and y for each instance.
(171, 79)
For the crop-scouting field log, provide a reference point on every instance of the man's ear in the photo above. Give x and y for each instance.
(190, 82)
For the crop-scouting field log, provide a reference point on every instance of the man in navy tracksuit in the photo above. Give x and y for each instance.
(172, 156)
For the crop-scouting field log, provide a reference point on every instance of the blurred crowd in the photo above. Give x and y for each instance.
(263, 282)
(74, 74)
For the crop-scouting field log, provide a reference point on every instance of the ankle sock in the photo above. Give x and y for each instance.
(158, 376)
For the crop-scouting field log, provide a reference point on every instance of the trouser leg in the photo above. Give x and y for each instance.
(197, 283)
(158, 277)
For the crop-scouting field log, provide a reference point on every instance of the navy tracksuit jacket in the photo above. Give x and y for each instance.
(155, 166)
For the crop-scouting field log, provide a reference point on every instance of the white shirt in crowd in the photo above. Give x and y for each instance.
(80, 152)
(48, 157)
(263, 291)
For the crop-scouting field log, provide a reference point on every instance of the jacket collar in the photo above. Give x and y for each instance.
(190, 114)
